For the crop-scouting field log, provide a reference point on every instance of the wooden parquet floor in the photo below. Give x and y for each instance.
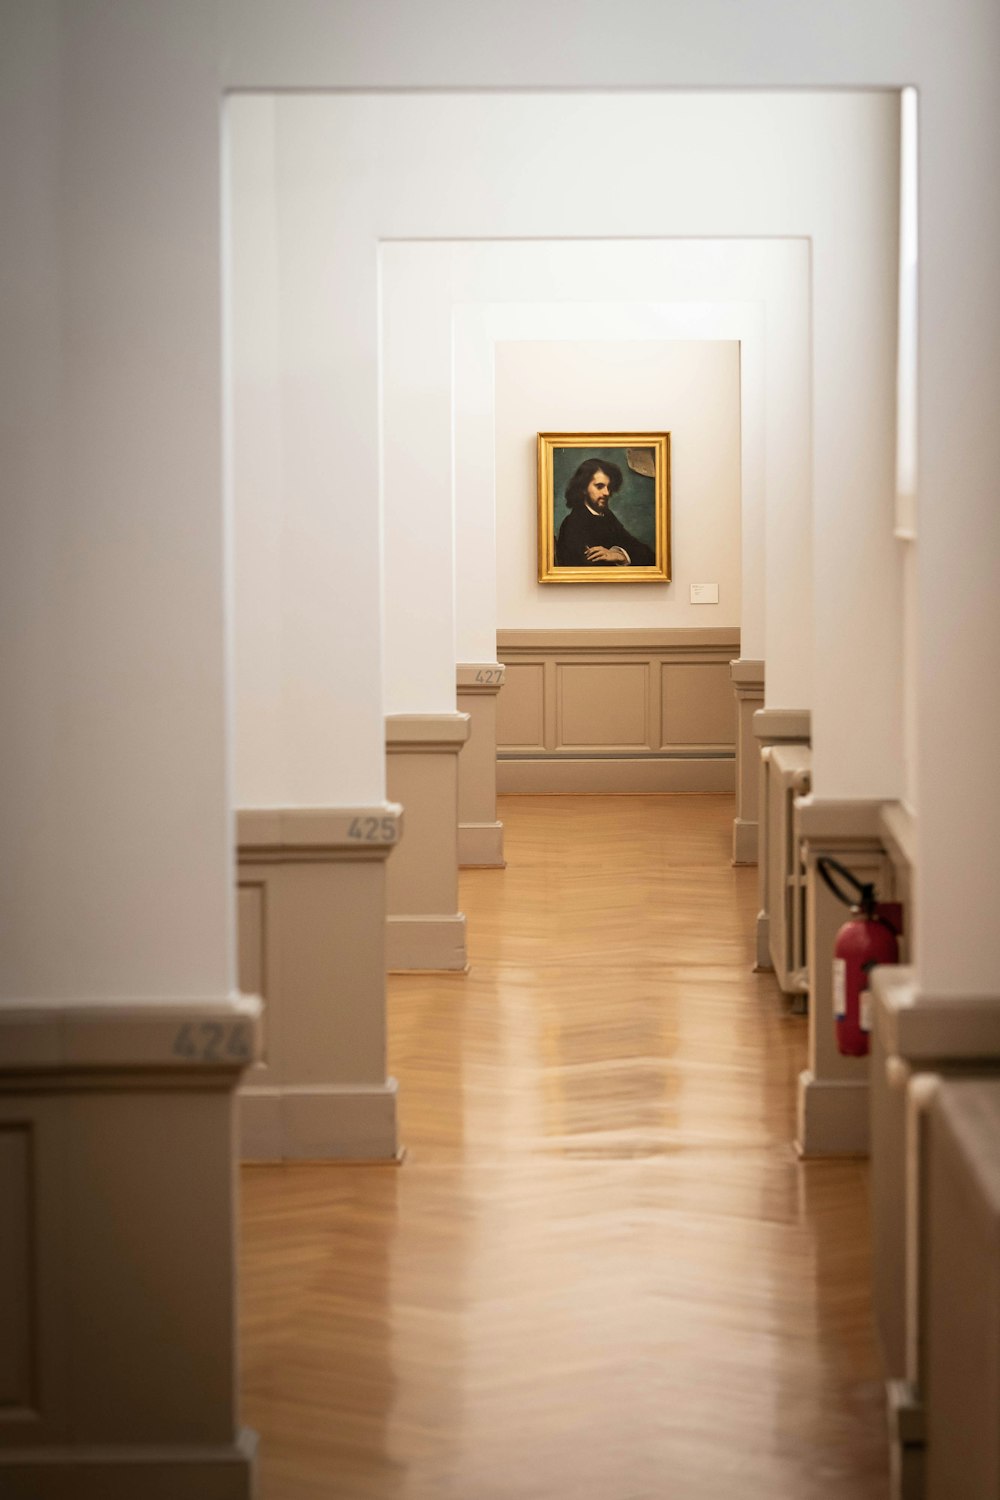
(601, 1273)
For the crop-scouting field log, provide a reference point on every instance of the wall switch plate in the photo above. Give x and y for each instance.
(704, 593)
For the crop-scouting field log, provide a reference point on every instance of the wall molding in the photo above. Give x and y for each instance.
(616, 711)
(271, 835)
(839, 819)
(444, 733)
(123, 1036)
(677, 641)
(773, 725)
(747, 673)
(927, 1030)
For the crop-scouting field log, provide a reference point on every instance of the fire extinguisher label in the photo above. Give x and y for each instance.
(865, 1009)
(840, 988)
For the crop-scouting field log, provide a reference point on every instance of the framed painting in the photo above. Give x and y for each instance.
(604, 507)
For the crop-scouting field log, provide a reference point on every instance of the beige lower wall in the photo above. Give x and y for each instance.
(616, 710)
(748, 690)
(424, 928)
(961, 1355)
(312, 901)
(921, 1044)
(117, 1250)
(480, 833)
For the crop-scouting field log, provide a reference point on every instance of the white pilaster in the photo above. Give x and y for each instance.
(121, 1040)
(310, 739)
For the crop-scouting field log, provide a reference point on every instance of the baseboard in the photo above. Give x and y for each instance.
(480, 845)
(426, 943)
(607, 775)
(333, 1122)
(744, 842)
(907, 1441)
(161, 1472)
(763, 964)
(832, 1116)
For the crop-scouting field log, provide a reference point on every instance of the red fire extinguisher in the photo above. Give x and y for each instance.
(869, 938)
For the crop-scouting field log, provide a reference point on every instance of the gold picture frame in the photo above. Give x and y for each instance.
(604, 507)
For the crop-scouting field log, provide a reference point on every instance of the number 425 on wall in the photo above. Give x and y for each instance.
(372, 830)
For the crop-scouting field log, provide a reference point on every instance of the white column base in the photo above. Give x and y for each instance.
(907, 1443)
(337, 1122)
(745, 842)
(832, 1116)
(199, 1472)
(763, 934)
(426, 943)
(480, 846)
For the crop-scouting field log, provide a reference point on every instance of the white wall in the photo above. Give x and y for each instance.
(137, 279)
(116, 881)
(691, 390)
(306, 476)
(418, 498)
(257, 520)
(754, 292)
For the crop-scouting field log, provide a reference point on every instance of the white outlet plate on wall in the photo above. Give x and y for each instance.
(704, 593)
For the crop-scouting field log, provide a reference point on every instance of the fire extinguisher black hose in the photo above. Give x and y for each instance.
(865, 898)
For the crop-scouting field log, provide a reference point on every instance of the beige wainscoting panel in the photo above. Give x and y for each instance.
(616, 711)
(697, 705)
(603, 705)
(521, 707)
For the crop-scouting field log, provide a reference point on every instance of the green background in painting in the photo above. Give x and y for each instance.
(634, 504)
